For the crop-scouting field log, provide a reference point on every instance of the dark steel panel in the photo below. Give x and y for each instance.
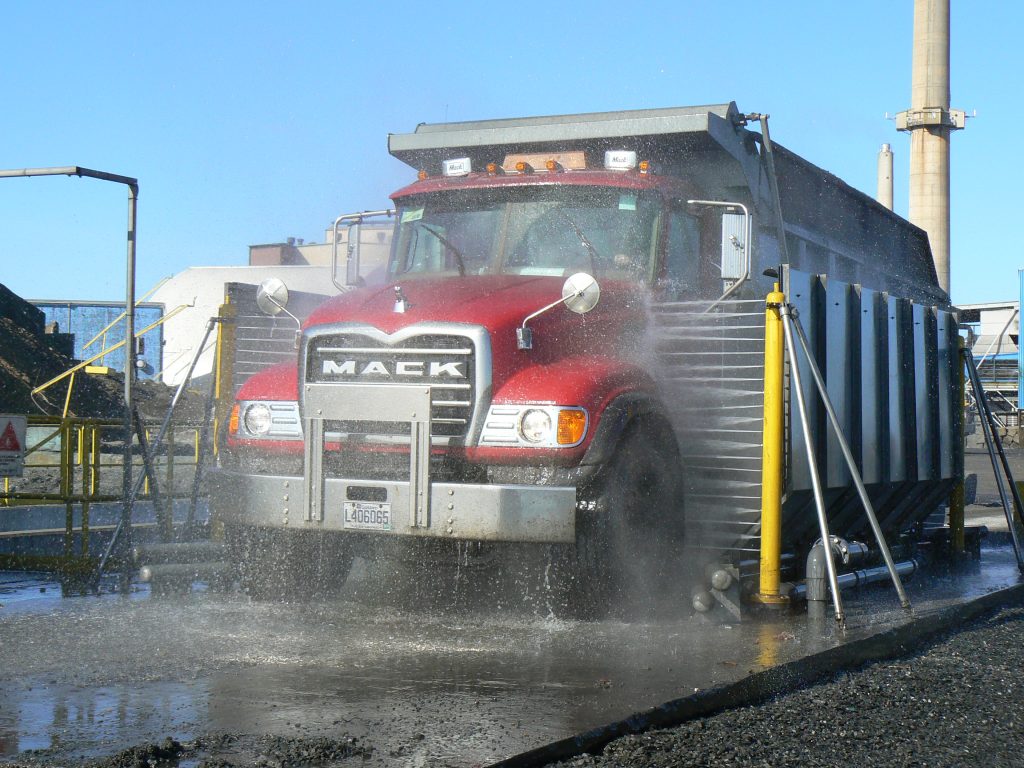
(805, 293)
(926, 415)
(841, 378)
(947, 355)
(900, 349)
(874, 387)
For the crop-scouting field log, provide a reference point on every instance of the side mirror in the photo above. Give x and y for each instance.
(736, 234)
(734, 246)
(580, 293)
(272, 296)
(352, 255)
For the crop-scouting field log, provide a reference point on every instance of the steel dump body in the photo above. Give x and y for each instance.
(860, 277)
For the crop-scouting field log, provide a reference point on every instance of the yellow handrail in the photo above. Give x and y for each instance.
(120, 317)
(108, 350)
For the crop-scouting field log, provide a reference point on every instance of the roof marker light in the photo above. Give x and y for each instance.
(524, 167)
(422, 175)
(619, 160)
(459, 166)
(553, 165)
(645, 166)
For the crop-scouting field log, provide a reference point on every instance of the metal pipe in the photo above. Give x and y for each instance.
(812, 462)
(861, 577)
(155, 447)
(772, 452)
(129, 365)
(773, 182)
(129, 341)
(957, 499)
(984, 416)
(844, 446)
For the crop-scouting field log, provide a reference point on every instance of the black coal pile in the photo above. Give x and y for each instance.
(30, 355)
(956, 703)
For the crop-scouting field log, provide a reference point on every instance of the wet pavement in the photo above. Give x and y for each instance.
(86, 676)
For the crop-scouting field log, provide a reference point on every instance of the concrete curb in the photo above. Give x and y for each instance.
(761, 686)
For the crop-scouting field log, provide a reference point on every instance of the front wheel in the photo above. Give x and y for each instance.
(630, 527)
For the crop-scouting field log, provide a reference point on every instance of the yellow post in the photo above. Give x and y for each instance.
(956, 496)
(772, 458)
(67, 478)
(224, 393)
(67, 399)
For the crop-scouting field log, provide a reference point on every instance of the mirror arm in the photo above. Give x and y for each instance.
(355, 218)
(524, 335)
(283, 308)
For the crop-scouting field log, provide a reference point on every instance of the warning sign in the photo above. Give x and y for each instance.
(12, 445)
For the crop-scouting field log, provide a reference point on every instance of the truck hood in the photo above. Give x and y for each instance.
(496, 302)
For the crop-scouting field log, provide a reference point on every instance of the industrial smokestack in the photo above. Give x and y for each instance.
(885, 176)
(929, 121)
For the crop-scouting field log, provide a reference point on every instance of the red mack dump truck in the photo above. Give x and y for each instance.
(521, 382)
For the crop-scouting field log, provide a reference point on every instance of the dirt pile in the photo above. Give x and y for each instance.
(28, 358)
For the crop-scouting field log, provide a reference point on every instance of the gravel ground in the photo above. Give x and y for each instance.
(956, 703)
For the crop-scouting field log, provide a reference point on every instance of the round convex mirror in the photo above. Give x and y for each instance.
(272, 296)
(581, 292)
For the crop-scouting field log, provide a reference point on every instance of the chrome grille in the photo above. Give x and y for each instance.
(445, 362)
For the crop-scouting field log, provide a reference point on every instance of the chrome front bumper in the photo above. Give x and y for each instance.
(511, 513)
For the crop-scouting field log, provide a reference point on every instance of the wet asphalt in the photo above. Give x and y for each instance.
(233, 681)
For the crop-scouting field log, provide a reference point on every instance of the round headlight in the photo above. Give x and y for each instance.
(257, 419)
(535, 425)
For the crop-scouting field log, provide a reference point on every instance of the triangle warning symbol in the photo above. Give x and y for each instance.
(9, 440)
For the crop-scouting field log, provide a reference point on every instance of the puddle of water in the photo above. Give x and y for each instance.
(88, 676)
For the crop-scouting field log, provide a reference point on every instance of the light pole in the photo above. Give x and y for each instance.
(129, 308)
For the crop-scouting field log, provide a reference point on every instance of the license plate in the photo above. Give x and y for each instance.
(368, 515)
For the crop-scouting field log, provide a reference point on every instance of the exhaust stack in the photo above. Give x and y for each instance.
(929, 122)
(884, 195)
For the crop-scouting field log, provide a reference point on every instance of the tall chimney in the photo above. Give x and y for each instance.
(930, 121)
(885, 176)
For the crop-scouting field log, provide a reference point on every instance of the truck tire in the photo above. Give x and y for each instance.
(289, 565)
(628, 541)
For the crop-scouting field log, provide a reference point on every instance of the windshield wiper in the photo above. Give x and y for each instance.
(447, 244)
(583, 239)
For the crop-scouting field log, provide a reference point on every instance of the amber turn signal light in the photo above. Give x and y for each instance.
(572, 425)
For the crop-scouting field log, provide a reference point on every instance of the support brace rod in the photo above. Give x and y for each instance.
(812, 463)
(869, 509)
(994, 444)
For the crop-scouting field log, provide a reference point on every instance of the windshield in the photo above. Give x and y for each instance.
(551, 230)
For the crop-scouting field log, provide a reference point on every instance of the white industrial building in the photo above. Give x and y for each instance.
(196, 294)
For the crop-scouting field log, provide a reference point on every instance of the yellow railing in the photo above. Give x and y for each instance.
(78, 462)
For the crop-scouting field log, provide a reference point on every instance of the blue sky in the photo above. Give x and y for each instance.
(252, 122)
